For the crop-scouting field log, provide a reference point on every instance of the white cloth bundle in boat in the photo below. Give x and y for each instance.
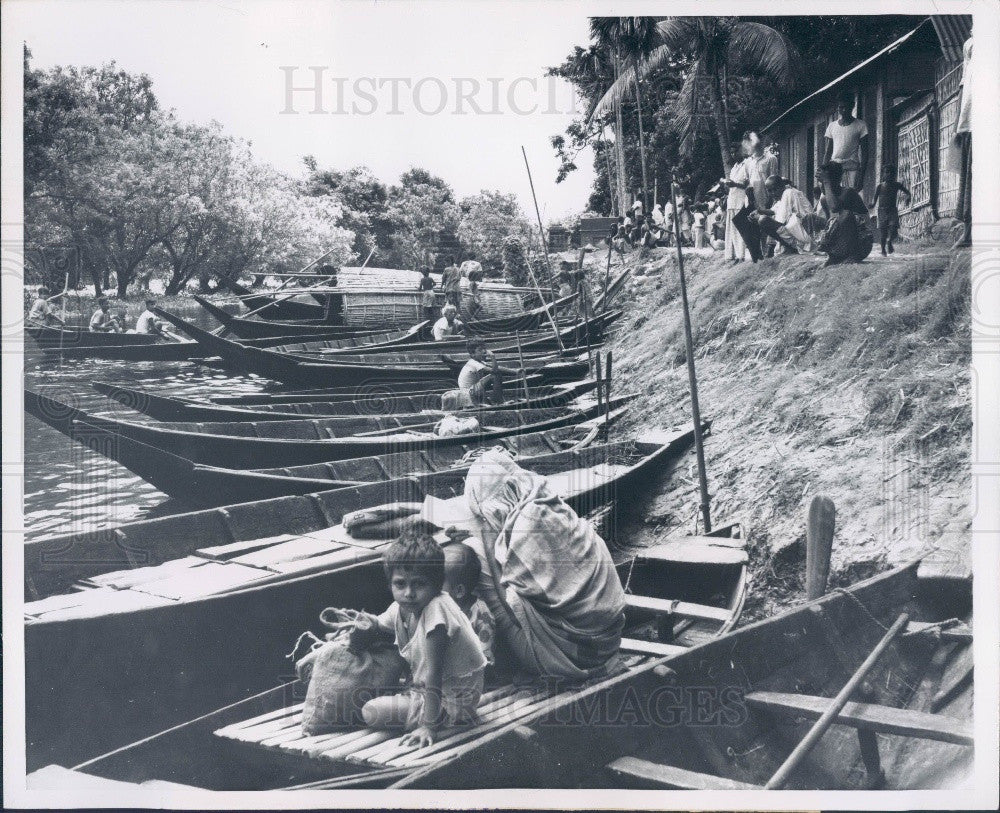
(452, 425)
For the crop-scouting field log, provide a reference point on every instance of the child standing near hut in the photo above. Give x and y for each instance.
(435, 638)
(886, 195)
(426, 288)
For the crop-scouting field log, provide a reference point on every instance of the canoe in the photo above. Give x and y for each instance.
(201, 486)
(220, 624)
(244, 327)
(380, 393)
(293, 370)
(147, 542)
(727, 714)
(187, 350)
(70, 337)
(289, 443)
(724, 714)
(277, 306)
(167, 409)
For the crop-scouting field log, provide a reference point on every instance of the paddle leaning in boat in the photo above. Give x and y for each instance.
(766, 706)
(249, 578)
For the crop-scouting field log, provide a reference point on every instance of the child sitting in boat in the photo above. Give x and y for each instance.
(435, 638)
(461, 576)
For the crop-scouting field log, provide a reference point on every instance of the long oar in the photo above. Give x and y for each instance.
(836, 706)
(548, 312)
(538, 214)
(524, 374)
(699, 446)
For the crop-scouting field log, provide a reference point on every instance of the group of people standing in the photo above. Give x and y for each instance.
(698, 225)
(451, 284)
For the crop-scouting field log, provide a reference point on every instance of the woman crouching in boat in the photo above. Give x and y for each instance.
(547, 576)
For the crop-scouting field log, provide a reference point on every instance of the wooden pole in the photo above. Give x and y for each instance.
(538, 215)
(600, 386)
(819, 544)
(607, 396)
(62, 328)
(524, 373)
(548, 311)
(836, 706)
(692, 378)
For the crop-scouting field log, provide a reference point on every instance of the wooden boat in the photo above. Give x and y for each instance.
(71, 337)
(243, 327)
(216, 630)
(187, 350)
(726, 714)
(200, 486)
(380, 393)
(276, 306)
(289, 443)
(168, 409)
(148, 542)
(290, 369)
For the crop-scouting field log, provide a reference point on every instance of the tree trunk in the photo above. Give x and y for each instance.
(620, 148)
(721, 125)
(642, 140)
(122, 287)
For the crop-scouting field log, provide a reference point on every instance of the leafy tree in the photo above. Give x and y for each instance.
(515, 265)
(363, 199)
(487, 220)
(424, 218)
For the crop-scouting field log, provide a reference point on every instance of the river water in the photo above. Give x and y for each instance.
(68, 488)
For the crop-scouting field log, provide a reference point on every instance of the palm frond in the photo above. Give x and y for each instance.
(756, 48)
(681, 34)
(626, 80)
(688, 123)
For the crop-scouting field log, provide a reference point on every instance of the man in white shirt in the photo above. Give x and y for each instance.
(148, 323)
(42, 312)
(481, 374)
(784, 222)
(102, 321)
(448, 325)
(847, 143)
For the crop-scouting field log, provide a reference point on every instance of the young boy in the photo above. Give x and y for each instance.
(461, 575)
(435, 638)
(42, 311)
(886, 194)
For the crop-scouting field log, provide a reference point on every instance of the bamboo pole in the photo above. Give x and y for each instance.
(524, 372)
(600, 386)
(836, 706)
(548, 311)
(692, 378)
(62, 329)
(607, 397)
(819, 545)
(538, 215)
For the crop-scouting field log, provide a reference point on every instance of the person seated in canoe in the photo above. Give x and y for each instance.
(427, 295)
(435, 638)
(547, 577)
(103, 321)
(42, 312)
(462, 572)
(481, 374)
(448, 325)
(148, 323)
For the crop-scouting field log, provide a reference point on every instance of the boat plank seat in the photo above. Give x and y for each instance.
(687, 609)
(671, 777)
(650, 647)
(282, 731)
(959, 633)
(868, 717)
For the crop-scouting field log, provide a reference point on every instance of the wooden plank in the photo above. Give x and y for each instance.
(868, 717)
(686, 553)
(203, 580)
(669, 776)
(662, 606)
(263, 718)
(223, 553)
(960, 633)
(290, 551)
(651, 647)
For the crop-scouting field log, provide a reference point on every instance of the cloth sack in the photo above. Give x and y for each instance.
(345, 672)
(453, 425)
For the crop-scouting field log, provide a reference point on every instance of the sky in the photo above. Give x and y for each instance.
(454, 88)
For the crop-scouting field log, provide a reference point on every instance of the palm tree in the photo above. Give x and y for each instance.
(630, 39)
(716, 46)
